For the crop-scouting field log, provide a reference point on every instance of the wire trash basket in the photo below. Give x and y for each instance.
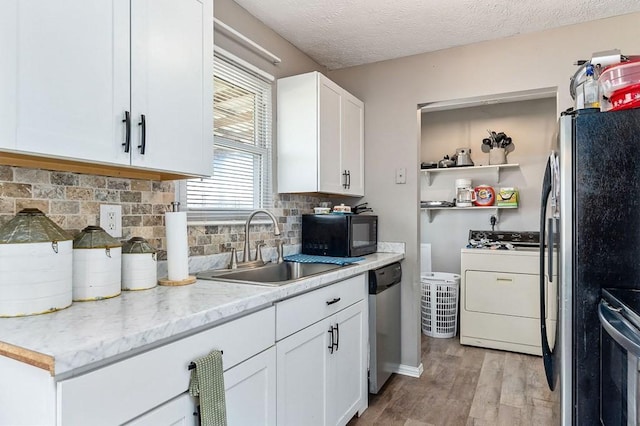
(439, 304)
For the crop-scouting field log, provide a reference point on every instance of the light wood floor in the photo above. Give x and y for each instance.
(467, 386)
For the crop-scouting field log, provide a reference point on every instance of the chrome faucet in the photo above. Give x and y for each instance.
(246, 257)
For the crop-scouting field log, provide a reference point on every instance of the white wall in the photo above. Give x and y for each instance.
(531, 124)
(293, 60)
(391, 91)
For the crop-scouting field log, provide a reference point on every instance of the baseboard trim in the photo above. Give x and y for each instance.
(407, 370)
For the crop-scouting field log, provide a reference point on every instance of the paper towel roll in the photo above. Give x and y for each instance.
(177, 245)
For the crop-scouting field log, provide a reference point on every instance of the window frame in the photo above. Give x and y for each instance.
(264, 197)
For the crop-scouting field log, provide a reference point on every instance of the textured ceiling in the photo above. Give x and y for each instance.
(343, 33)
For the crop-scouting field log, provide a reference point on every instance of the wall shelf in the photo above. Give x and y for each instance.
(496, 168)
(493, 209)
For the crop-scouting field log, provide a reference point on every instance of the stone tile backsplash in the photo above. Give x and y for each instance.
(73, 201)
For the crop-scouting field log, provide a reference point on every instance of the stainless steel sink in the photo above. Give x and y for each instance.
(271, 274)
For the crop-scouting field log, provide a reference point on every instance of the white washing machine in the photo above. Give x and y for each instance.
(500, 299)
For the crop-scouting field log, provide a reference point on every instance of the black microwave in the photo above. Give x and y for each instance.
(340, 235)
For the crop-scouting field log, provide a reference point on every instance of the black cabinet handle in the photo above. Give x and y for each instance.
(192, 365)
(127, 131)
(332, 301)
(348, 179)
(331, 344)
(344, 176)
(197, 412)
(143, 138)
(337, 328)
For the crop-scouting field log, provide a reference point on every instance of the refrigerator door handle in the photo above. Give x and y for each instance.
(551, 238)
(621, 330)
(546, 350)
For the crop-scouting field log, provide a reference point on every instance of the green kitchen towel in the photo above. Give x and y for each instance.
(207, 382)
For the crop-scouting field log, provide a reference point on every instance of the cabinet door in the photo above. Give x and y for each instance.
(302, 363)
(172, 85)
(250, 391)
(64, 78)
(330, 177)
(297, 111)
(180, 411)
(8, 73)
(347, 379)
(352, 143)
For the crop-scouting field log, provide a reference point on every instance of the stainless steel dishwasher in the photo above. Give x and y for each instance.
(384, 324)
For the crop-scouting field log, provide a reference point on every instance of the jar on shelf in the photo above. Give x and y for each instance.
(485, 196)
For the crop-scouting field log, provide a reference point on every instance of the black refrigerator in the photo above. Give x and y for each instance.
(590, 221)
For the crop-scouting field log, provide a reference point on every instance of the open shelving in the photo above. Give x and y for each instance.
(494, 209)
(496, 167)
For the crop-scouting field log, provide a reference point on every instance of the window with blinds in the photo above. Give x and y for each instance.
(241, 180)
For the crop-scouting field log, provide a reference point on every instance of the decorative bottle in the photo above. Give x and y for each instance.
(591, 90)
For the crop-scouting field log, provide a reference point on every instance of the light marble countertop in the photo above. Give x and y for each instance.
(88, 334)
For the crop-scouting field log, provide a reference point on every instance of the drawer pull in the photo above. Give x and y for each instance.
(505, 279)
(332, 301)
(192, 365)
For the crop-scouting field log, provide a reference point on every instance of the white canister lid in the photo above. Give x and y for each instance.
(463, 183)
(137, 245)
(93, 237)
(31, 226)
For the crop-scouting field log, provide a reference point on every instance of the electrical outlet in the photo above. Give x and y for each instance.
(111, 219)
(401, 175)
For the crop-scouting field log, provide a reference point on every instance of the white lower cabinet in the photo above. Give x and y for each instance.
(300, 362)
(321, 369)
(302, 370)
(250, 391)
(348, 378)
(143, 382)
(250, 396)
(180, 411)
(150, 388)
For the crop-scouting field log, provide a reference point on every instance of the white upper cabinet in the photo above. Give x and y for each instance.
(330, 178)
(67, 74)
(353, 150)
(74, 70)
(320, 137)
(172, 85)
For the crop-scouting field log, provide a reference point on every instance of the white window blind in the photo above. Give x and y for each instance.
(242, 164)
